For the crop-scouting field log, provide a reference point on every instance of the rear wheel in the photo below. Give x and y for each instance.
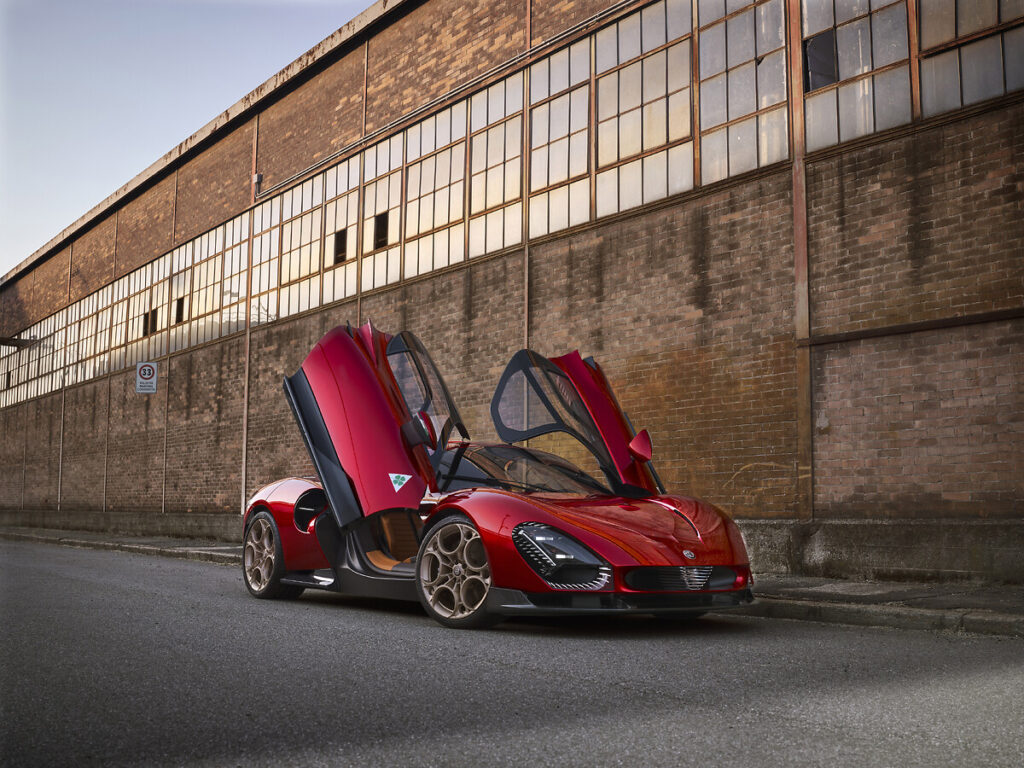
(263, 559)
(453, 576)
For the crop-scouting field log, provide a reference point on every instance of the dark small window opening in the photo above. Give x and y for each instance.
(340, 246)
(179, 310)
(380, 231)
(149, 323)
(821, 67)
(8, 384)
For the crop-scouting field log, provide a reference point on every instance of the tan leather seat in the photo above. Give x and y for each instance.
(399, 539)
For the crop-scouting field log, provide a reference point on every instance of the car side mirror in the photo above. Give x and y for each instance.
(640, 447)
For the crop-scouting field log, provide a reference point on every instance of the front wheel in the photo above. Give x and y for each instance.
(453, 576)
(263, 559)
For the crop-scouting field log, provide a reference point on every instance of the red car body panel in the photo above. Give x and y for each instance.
(597, 395)
(364, 422)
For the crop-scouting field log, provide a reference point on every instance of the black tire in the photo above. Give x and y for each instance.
(453, 575)
(263, 560)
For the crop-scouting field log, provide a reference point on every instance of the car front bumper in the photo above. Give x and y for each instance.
(512, 602)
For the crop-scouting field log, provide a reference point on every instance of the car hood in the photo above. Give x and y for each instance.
(653, 531)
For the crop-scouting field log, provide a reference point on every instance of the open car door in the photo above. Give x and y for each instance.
(371, 448)
(537, 395)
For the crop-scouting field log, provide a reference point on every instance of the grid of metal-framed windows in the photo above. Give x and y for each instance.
(147, 311)
(236, 274)
(341, 230)
(266, 244)
(856, 68)
(382, 204)
(92, 337)
(301, 231)
(560, 140)
(435, 198)
(8, 361)
(207, 254)
(643, 105)
(742, 72)
(180, 298)
(496, 168)
(988, 63)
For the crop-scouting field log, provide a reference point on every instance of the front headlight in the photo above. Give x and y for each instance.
(559, 559)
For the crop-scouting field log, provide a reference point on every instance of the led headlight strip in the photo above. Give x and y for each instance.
(559, 559)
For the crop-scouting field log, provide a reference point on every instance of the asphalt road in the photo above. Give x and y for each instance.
(110, 658)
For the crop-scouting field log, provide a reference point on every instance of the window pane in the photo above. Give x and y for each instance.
(710, 10)
(629, 87)
(655, 177)
(940, 83)
(607, 142)
(655, 120)
(856, 111)
(742, 147)
(559, 117)
(822, 125)
(513, 100)
(820, 60)
(741, 91)
(630, 139)
(1013, 45)
(653, 22)
(714, 157)
(679, 115)
(740, 35)
(975, 15)
(579, 62)
(560, 71)
(678, 12)
(538, 86)
(981, 66)
(629, 37)
(850, 9)
(606, 47)
(680, 168)
(679, 66)
(607, 96)
(712, 50)
(771, 80)
(1010, 9)
(607, 192)
(712, 102)
(770, 27)
(938, 21)
(654, 76)
(892, 98)
(889, 30)
(772, 137)
(579, 202)
(817, 15)
(853, 43)
(630, 185)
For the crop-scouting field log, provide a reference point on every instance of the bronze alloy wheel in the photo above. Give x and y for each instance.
(263, 561)
(453, 574)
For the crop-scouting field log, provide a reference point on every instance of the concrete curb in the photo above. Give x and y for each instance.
(767, 606)
(897, 617)
(197, 553)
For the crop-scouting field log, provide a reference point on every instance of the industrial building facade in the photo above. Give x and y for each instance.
(792, 231)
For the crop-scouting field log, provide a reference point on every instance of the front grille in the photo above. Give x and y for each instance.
(669, 578)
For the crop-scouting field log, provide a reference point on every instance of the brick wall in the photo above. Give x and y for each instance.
(42, 452)
(921, 425)
(889, 237)
(144, 227)
(15, 306)
(214, 186)
(12, 456)
(204, 428)
(319, 117)
(135, 447)
(92, 259)
(688, 310)
(436, 47)
(553, 16)
(84, 463)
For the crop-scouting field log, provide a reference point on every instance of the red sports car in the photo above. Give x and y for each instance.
(476, 532)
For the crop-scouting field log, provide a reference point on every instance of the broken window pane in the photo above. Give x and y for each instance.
(820, 67)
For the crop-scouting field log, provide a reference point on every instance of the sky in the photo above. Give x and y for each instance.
(92, 92)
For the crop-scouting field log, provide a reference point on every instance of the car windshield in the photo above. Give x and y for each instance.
(518, 469)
